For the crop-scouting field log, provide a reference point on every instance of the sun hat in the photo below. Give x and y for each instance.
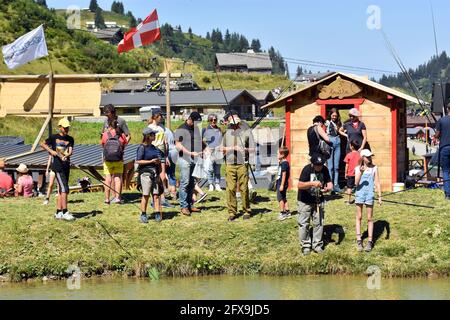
(366, 153)
(64, 123)
(354, 112)
(22, 168)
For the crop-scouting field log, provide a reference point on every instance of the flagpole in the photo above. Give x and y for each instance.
(168, 107)
(51, 95)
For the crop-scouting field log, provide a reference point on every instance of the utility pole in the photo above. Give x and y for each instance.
(168, 111)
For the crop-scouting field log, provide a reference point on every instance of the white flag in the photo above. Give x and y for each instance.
(27, 48)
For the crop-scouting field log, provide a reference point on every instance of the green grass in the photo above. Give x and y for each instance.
(35, 245)
(90, 16)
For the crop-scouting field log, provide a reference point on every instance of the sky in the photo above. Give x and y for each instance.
(334, 32)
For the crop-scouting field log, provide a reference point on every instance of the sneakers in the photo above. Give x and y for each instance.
(158, 217)
(359, 244)
(232, 218)
(201, 198)
(116, 201)
(369, 246)
(166, 204)
(144, 218)
(318, 250)
(45, 203)
(68, 217)
(211, 188)
(59, 215)
(107, 202)
(306, 251)
(218, 188)
(284, 215)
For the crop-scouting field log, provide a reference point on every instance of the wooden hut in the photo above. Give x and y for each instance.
(382, 109)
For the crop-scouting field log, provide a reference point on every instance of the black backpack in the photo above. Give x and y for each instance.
(113, 150)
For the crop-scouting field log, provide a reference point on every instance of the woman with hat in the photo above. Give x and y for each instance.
(25, 184)
(354, 130)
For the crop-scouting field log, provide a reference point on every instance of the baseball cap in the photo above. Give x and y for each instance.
(156, 112)
(148, 131)
(354, 112)
(317, 160)
(64, 123)
(366, 153)
(195, 116)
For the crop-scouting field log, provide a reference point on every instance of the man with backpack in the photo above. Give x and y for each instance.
(113, 142)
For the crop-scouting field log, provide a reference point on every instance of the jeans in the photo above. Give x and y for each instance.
(334, 161)
(187, 183)
(171, 173)
(214, 173)
(445, 163)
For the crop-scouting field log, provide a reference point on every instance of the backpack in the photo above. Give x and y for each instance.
(323, 148)
(112, 150)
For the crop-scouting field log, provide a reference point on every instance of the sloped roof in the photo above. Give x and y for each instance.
(280, 102)
(312, 77)
(250, 60)
(262, 95)
(7, 150)
(177, 98)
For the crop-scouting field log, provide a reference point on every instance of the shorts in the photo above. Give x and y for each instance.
(110, 168)
(281, 196)
(62, 179)
(350, 182)
(365, 198)
(151, 187)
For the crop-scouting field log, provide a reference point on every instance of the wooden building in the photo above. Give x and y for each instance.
(382, 109)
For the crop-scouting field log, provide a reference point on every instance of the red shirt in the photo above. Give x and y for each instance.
(6, 182)
(352, 160)
(122, 139)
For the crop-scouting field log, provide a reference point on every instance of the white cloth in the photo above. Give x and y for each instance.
(28, 47)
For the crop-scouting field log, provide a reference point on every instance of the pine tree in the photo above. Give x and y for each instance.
(208, 36)
(132, 20)
(190, 33)
(299, 71)
(99, 20)
(42, 3)
(256, 45)
(115, 7)
(227, 40)
(93, 6)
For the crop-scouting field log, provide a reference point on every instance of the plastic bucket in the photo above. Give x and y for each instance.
(397, 187)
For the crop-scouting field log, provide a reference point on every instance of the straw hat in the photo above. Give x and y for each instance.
(22, 168)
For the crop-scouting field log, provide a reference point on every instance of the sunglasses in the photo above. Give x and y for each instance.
(214, 120)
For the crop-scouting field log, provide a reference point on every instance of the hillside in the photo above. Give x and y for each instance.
(77, 51)
(86, 15)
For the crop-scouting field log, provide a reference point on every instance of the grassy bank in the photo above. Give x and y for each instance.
(35, 245)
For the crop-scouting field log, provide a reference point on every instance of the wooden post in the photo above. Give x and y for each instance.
(51, 101)
(168, 111)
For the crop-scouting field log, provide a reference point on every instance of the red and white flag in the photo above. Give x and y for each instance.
(144, 34)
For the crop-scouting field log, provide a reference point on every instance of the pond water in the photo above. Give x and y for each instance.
(233, 288)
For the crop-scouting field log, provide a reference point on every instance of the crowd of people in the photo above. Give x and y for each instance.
(199, 155)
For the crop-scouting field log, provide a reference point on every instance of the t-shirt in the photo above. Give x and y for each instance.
(6, 181)
(121, 123)
(147, 152)
(173, 152)
(443, 126)
(332, 129)
(212, 137)
(308, 175)
(160, 137)
(122, 139)
(284, 167)
(237, 137)
(61, 145)
(354, 134)
(27, 185)
(189, 137)
(352, 160)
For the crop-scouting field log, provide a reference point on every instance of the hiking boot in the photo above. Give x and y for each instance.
(201, 198)
(359, 243)
(185, 212)
(246, 216)
(369, 246)
(211, 188)
(158, 217)
(195, 210)
(318, 250)
(144, 218)
(306, 251)
(59, 215)
(68, 217)
(218, 188)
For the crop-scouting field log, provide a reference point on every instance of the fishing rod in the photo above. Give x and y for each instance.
(249, 167)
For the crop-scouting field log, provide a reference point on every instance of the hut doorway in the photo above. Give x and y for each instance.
(344, 113)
